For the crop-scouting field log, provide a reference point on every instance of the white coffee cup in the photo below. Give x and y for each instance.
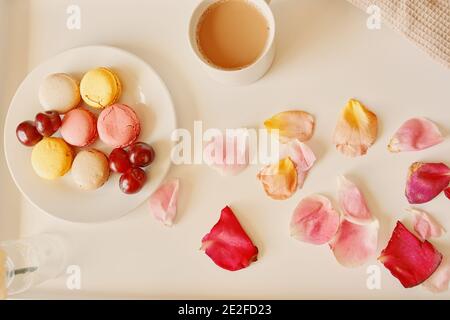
(249, 73)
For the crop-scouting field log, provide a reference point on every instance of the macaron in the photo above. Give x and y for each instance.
(51, 158)
(59, 92)
(100, 88)
(90, 169)
(79, 127)
(118, 126)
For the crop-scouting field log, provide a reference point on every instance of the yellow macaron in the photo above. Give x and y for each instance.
(100, 88)
(51, 158)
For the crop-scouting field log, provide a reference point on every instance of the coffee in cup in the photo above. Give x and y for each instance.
(232, 34)
(233, 39)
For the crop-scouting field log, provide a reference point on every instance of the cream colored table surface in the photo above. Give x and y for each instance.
(325, 55)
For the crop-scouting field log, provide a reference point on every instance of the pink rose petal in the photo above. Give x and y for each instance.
(228, 153)
(425, 225)
(301, 177)
(439, 280)
(302, 156)
(415, 134)
(352, 202)
(163, 202)
(355, 244)
(314, 220)
(425, 181)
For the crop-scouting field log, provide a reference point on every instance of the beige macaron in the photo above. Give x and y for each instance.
(59, 92)
(90, 169)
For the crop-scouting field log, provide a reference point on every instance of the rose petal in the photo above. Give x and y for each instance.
(439, 280)
(408, 259)
(301, 155)
(228, 153)
(292, 124)
(301, 177)
(425, 226)
(356, 130)
(279, 180)
(355, 244)
(3, 291)
(314, 220)
(425, 181)
(228, 245)
(352, 202)
(415, 134)
(447, 192)
(163, 202)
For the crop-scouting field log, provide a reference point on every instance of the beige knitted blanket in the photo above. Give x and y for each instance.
(425, 22)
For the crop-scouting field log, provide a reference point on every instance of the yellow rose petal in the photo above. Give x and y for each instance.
(280, 179)
(293, 124)
(356, 130)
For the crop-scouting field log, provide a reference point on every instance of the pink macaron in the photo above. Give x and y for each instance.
(118, 126)
(79, 127)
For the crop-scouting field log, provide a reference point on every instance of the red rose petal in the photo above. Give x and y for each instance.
(447, 192)
(228, 245)
(408, 259)
(425, 181)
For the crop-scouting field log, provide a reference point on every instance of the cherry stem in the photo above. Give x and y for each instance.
(24, 270)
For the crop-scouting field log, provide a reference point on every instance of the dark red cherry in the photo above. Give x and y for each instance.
(141, 154)
(132, 181)
(27, 133)
(119, 161)
(47, 123)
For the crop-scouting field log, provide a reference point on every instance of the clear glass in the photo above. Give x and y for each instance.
(31, 261)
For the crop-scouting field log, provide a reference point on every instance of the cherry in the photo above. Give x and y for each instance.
(132, 181)
(119, 161)
(27, 133)
(47, 123)
(141, 154)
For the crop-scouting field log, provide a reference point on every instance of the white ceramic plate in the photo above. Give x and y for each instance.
(143, 90)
